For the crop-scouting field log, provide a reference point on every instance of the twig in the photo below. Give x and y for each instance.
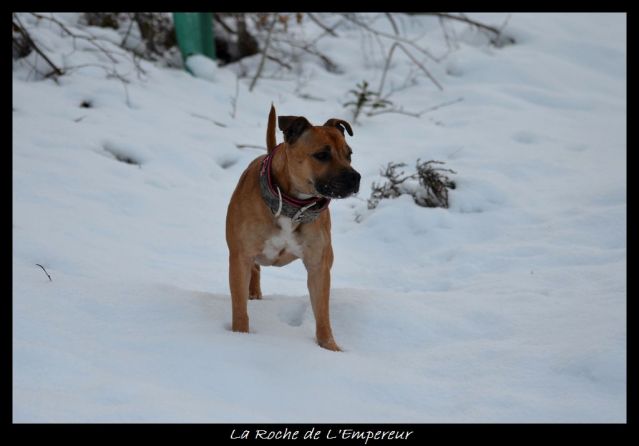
(418, 114)
(45, 271)
(310, 98)
(415, 61)
(390, 36)
(234, 98)
(328, 31)
(248, 146)
(443, 104)
(219, 20)
(503, 25)
(466, 20)
(400, 111)
(389, 16)
(408, 82)
(321, 25)
(463, 18)
(328, 63)
(284, 64)
(128, 31)
(263, 59)
(219, 124)
(386, 66)
(445, 31)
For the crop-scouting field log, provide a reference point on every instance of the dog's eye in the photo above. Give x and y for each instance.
(322, 156)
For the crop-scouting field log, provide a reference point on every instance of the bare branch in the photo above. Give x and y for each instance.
(219, 124)
(400, 111)
(467, 20)
(321, 25)
(249, 146)
(331, 29)
(95, 42)
(386, 66)
(503, 25)
(415, 61)
(310, 97)
(18, 25)
(389, 16)
(223, 24)
(445, 31)
(310, 48)
(491, 29)
(234, 98)
(390, 36)
(89, 38)
(45, 271)
(128, 31)
(263, 59)
(282, 63)
(443, 104)
(418, 114)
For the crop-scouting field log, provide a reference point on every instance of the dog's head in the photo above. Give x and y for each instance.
(319, 159)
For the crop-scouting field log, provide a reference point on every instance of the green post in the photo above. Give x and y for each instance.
(194, 32)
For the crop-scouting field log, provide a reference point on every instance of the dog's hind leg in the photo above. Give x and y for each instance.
(255, 292)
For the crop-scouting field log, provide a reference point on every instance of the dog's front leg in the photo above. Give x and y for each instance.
(239, 278)
(319, 286)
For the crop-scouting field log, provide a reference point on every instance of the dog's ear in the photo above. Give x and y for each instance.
(293, 127)
(340, 124)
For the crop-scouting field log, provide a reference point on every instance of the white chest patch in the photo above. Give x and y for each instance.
(282, 241)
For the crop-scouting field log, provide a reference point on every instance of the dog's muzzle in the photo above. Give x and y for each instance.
(344, 184)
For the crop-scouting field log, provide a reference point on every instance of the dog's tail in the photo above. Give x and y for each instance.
(270, 131)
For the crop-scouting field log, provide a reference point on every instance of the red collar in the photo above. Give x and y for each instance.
(290, 205)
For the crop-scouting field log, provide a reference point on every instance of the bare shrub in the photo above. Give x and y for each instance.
(365, 98)
(430, 189)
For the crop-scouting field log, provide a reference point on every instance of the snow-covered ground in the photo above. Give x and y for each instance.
(507, 307)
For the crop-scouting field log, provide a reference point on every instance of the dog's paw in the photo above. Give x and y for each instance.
(329, 345)
(240, 325)
(255, 296)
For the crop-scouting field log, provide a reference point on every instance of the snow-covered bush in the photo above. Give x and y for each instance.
(428, 185)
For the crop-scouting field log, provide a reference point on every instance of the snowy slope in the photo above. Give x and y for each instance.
(507, 307)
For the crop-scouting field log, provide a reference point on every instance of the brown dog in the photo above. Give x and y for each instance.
(279, 213)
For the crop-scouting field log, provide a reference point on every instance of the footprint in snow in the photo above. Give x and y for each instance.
(293, 313)
(526, 137)
(123, 154)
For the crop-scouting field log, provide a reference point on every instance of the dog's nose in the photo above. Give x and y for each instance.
(355, 177)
